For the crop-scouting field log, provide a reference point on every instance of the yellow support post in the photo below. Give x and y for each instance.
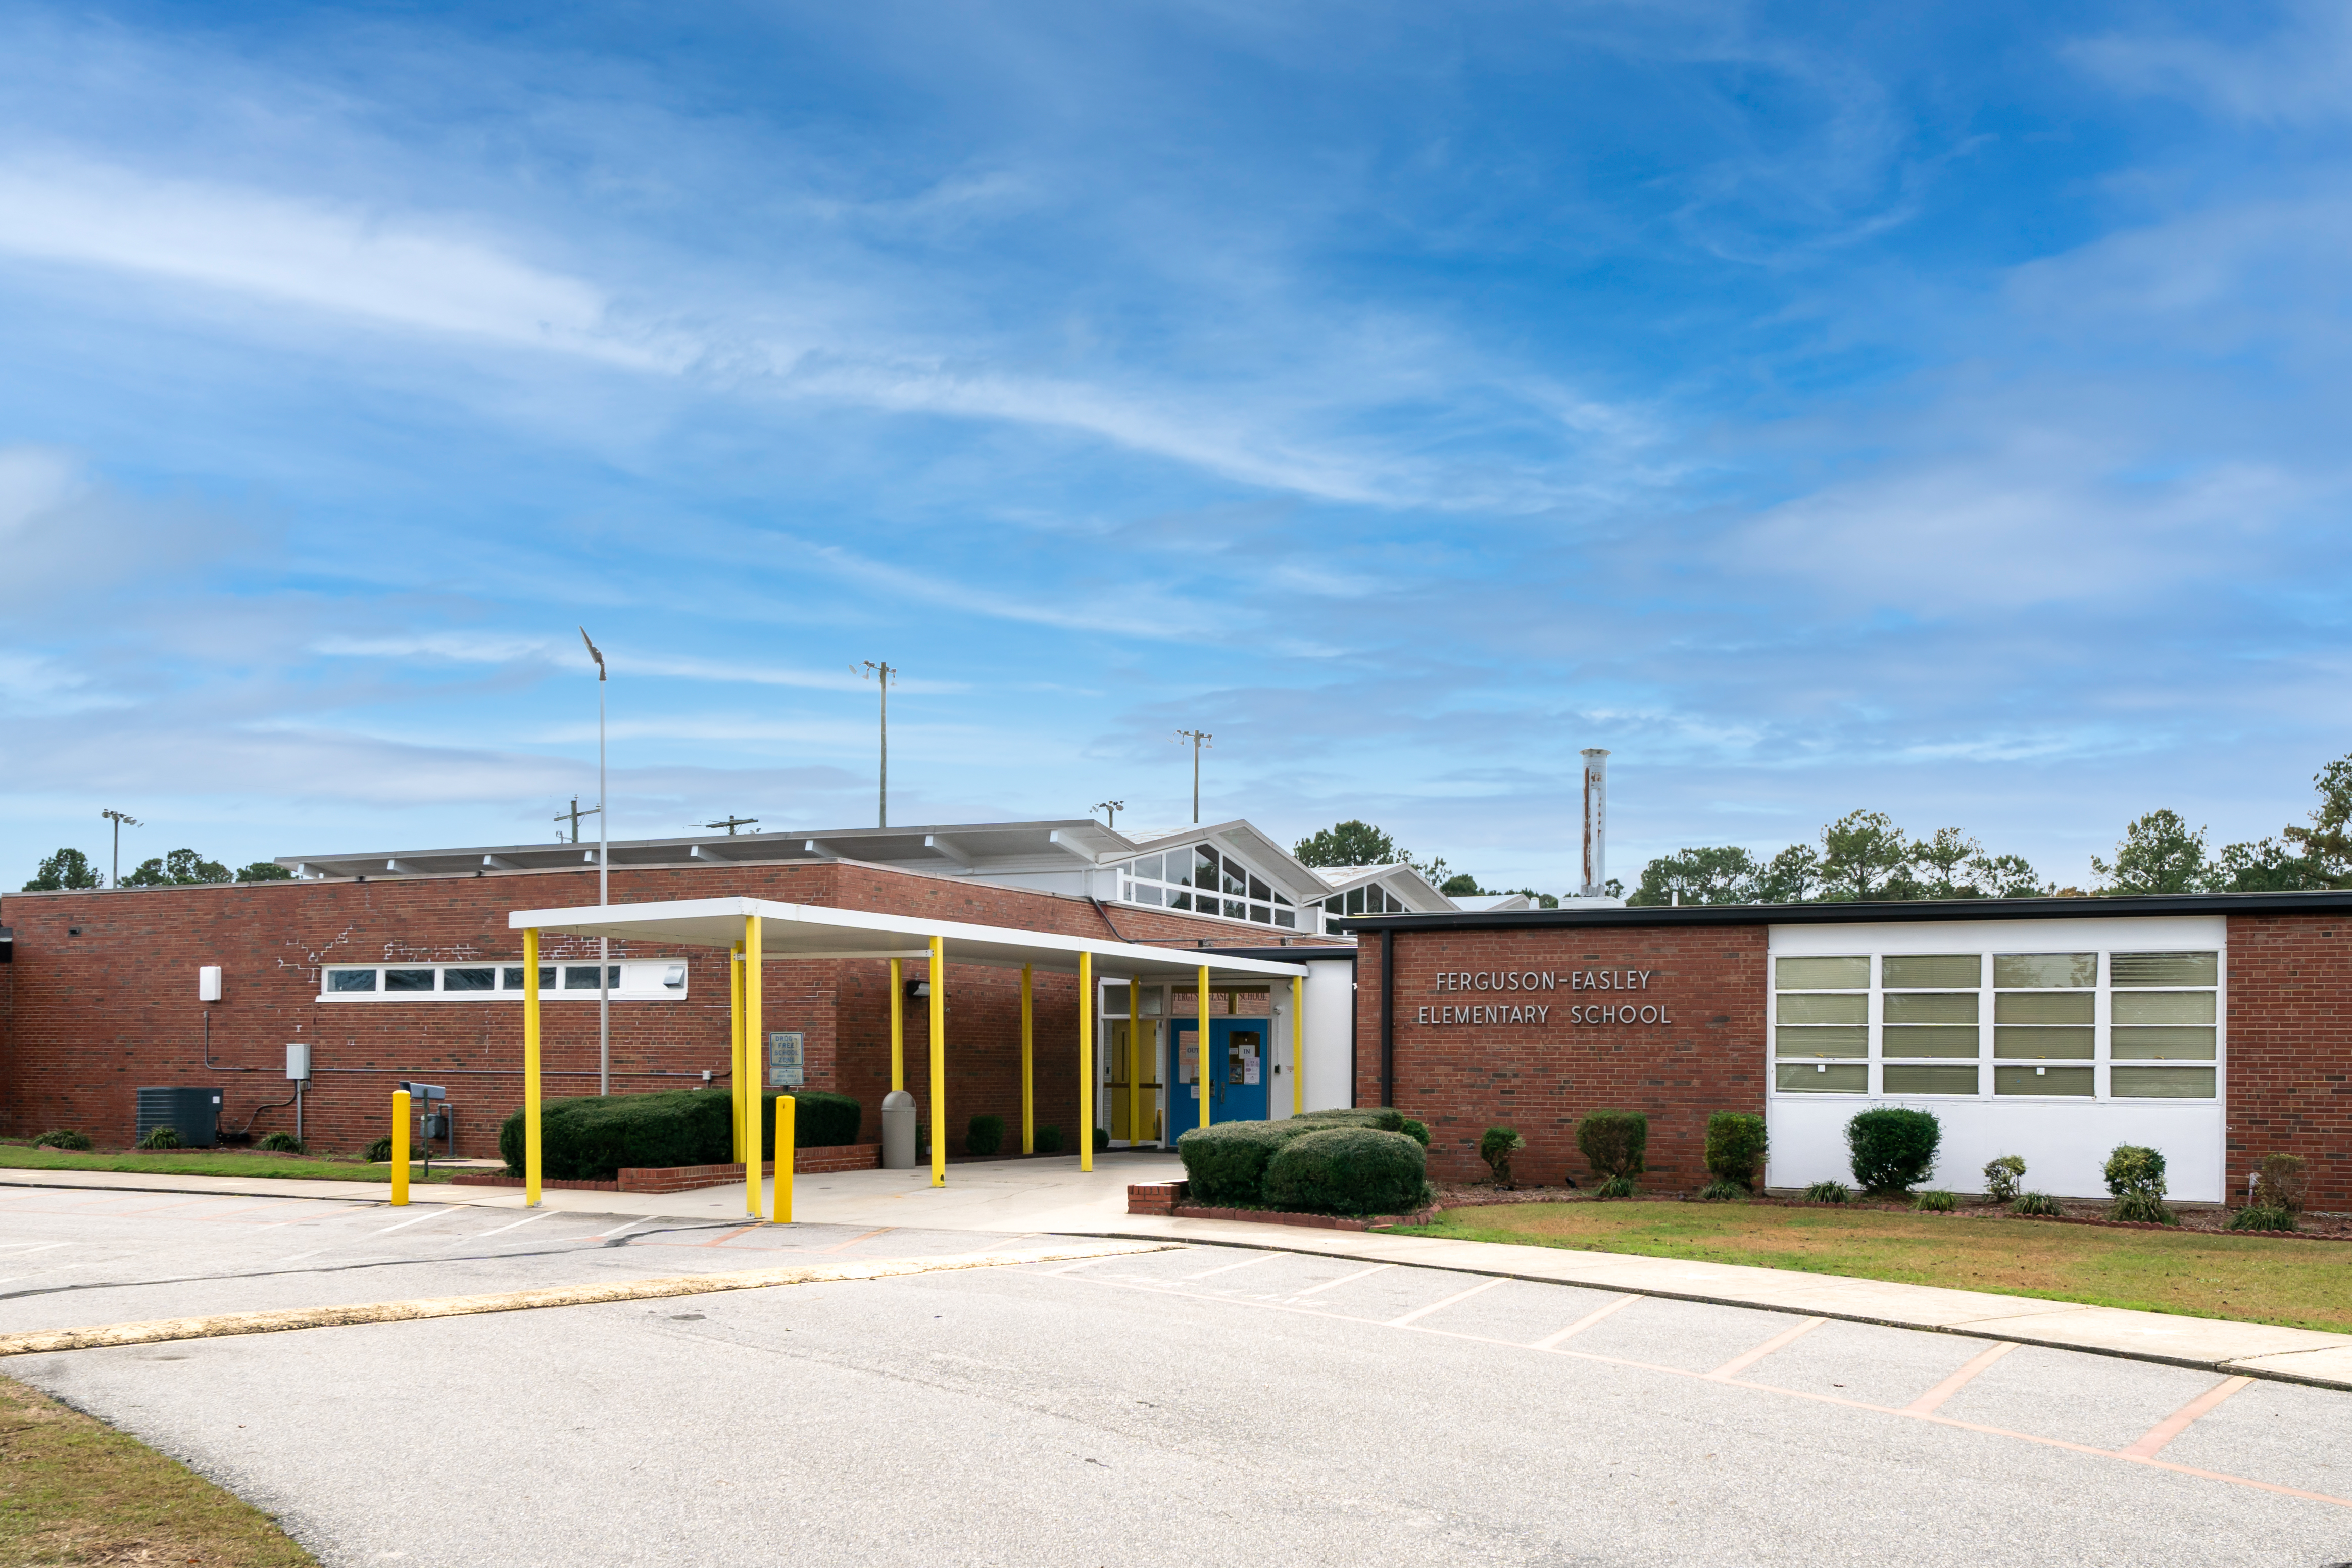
(897, 1024)
(787, 1109)
(753, 1056)
(939, 1062)
(530, 1139)
(1028, 1083)
(1200, 1067)
(1086, 1061)
(400, 1148)
(735, 1049)
(1297, 1044)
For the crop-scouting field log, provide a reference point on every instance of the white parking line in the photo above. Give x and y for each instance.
(1229, 1268)
(1343, 1279)
(1420, 1312)
(609, 1234)
(27, 1248)
(1787, 1337)
(420, 1220)
(1550, 1341)
(528, 1218)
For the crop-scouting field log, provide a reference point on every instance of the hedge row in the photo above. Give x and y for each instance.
(1340, 1162)
(593, 1137)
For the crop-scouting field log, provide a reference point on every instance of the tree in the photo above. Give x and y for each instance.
(2159, 854)
(1348, 843)
(2264, 866)
(2326, 844)
(2008, 876)
(180, 868)
(1721, 874)
(1864, 855)
(1790, 877)
(1461, 885)
(1944, 862)
(265, 871)
(66, 868)
(1541, 900)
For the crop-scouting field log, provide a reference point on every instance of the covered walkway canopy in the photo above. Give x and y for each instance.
(760, 930)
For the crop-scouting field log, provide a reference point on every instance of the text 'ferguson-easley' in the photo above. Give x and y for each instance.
(1538, 980)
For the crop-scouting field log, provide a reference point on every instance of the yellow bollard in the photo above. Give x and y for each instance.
(938, 1061)
(787, 1109)
(400, 1148)
(1087, 999)
(1298, 1045)
(755, 1060)
(531, 1122)
(1200, 1067)
(1028, 1077)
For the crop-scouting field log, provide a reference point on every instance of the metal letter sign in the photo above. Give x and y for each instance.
(785, 1065)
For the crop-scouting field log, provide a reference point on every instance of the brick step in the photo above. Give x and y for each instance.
(818, 1162)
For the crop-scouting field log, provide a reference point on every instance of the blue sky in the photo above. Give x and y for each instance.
(1935, 409)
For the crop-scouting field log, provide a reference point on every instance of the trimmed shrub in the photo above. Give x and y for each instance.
(1614, 1142)
(1618, 1187)
(2141, 1208)
(1416, 1131)
(2001, 1177)
(163, 1137)
(2133, 1168)
(1380, 1116)
(1102, 1139)
(280, 1143)
(1735, 1148)
(1724, 1192)
(1495, 1146)
(2262, 1218)
(62, 1137)
(1349, 1171)
(2280, 1183)
(1936, 1201)
(380, 1152)
(1893, 1149)
(1827, 1193)
(1048, 1139)
(985, 1136)
(590, 1137)
(1225, 1162)
(2037, 1206)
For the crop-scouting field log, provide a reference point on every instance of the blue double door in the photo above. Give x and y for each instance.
(1239, 1065)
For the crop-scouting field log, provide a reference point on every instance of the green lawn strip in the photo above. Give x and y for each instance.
(76, 1491)
(2249, 1279)
(202, 1162)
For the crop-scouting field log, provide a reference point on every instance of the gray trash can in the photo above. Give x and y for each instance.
(898, 1131)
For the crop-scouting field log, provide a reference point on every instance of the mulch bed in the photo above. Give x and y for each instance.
(2311, 1227)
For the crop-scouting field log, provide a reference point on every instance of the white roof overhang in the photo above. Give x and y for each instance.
(790, 931)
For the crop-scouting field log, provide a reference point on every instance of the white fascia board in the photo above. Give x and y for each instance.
(814, 931)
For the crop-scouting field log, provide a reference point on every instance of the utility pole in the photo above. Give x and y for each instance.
(1111, 807)
(603, 891)
(881, 674)
(120, 819)
(730, 823)
(574, 816)
(1199, 738)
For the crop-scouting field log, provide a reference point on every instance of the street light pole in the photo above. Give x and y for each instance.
(881, 674)
(1199, 738)
(119, 818)
(603, 891)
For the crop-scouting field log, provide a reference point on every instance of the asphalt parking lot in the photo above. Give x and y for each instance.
(1196, 1402)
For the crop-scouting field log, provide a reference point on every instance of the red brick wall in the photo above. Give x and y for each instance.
(1542, 1077)
(2290, 1015)
(85, 1020)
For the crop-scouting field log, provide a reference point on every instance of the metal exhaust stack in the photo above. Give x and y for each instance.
(1596, 824)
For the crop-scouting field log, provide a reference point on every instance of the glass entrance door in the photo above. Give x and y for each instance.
(1237, 1073)
(1134, 1081)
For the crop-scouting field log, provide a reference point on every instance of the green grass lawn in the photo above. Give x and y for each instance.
(2302, 1284)
(76, 1491)
(205, 1163)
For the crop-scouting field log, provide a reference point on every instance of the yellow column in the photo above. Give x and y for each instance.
(1086, 1061)
(786, 1109)
(735, 1050)
(755, 1057)
(939, 1062)
(1028, 1083)
(1298, 1045)
(530, 1141)
(1201, 1066)
(897, 1024)
(400, 1148)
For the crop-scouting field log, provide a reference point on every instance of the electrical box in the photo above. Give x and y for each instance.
(298, 1059)
(208, 983)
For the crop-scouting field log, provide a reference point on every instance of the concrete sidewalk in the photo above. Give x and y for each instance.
(1052, 1195)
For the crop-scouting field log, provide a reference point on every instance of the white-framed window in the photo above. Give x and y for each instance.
(2095, 1024)
(635, 980)
(1371, 899)
(1200, 878)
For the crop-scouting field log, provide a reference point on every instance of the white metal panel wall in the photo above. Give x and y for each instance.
(2064, 1145)
(1330, 1024)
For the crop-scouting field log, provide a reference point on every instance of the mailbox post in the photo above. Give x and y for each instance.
(436, 1125)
